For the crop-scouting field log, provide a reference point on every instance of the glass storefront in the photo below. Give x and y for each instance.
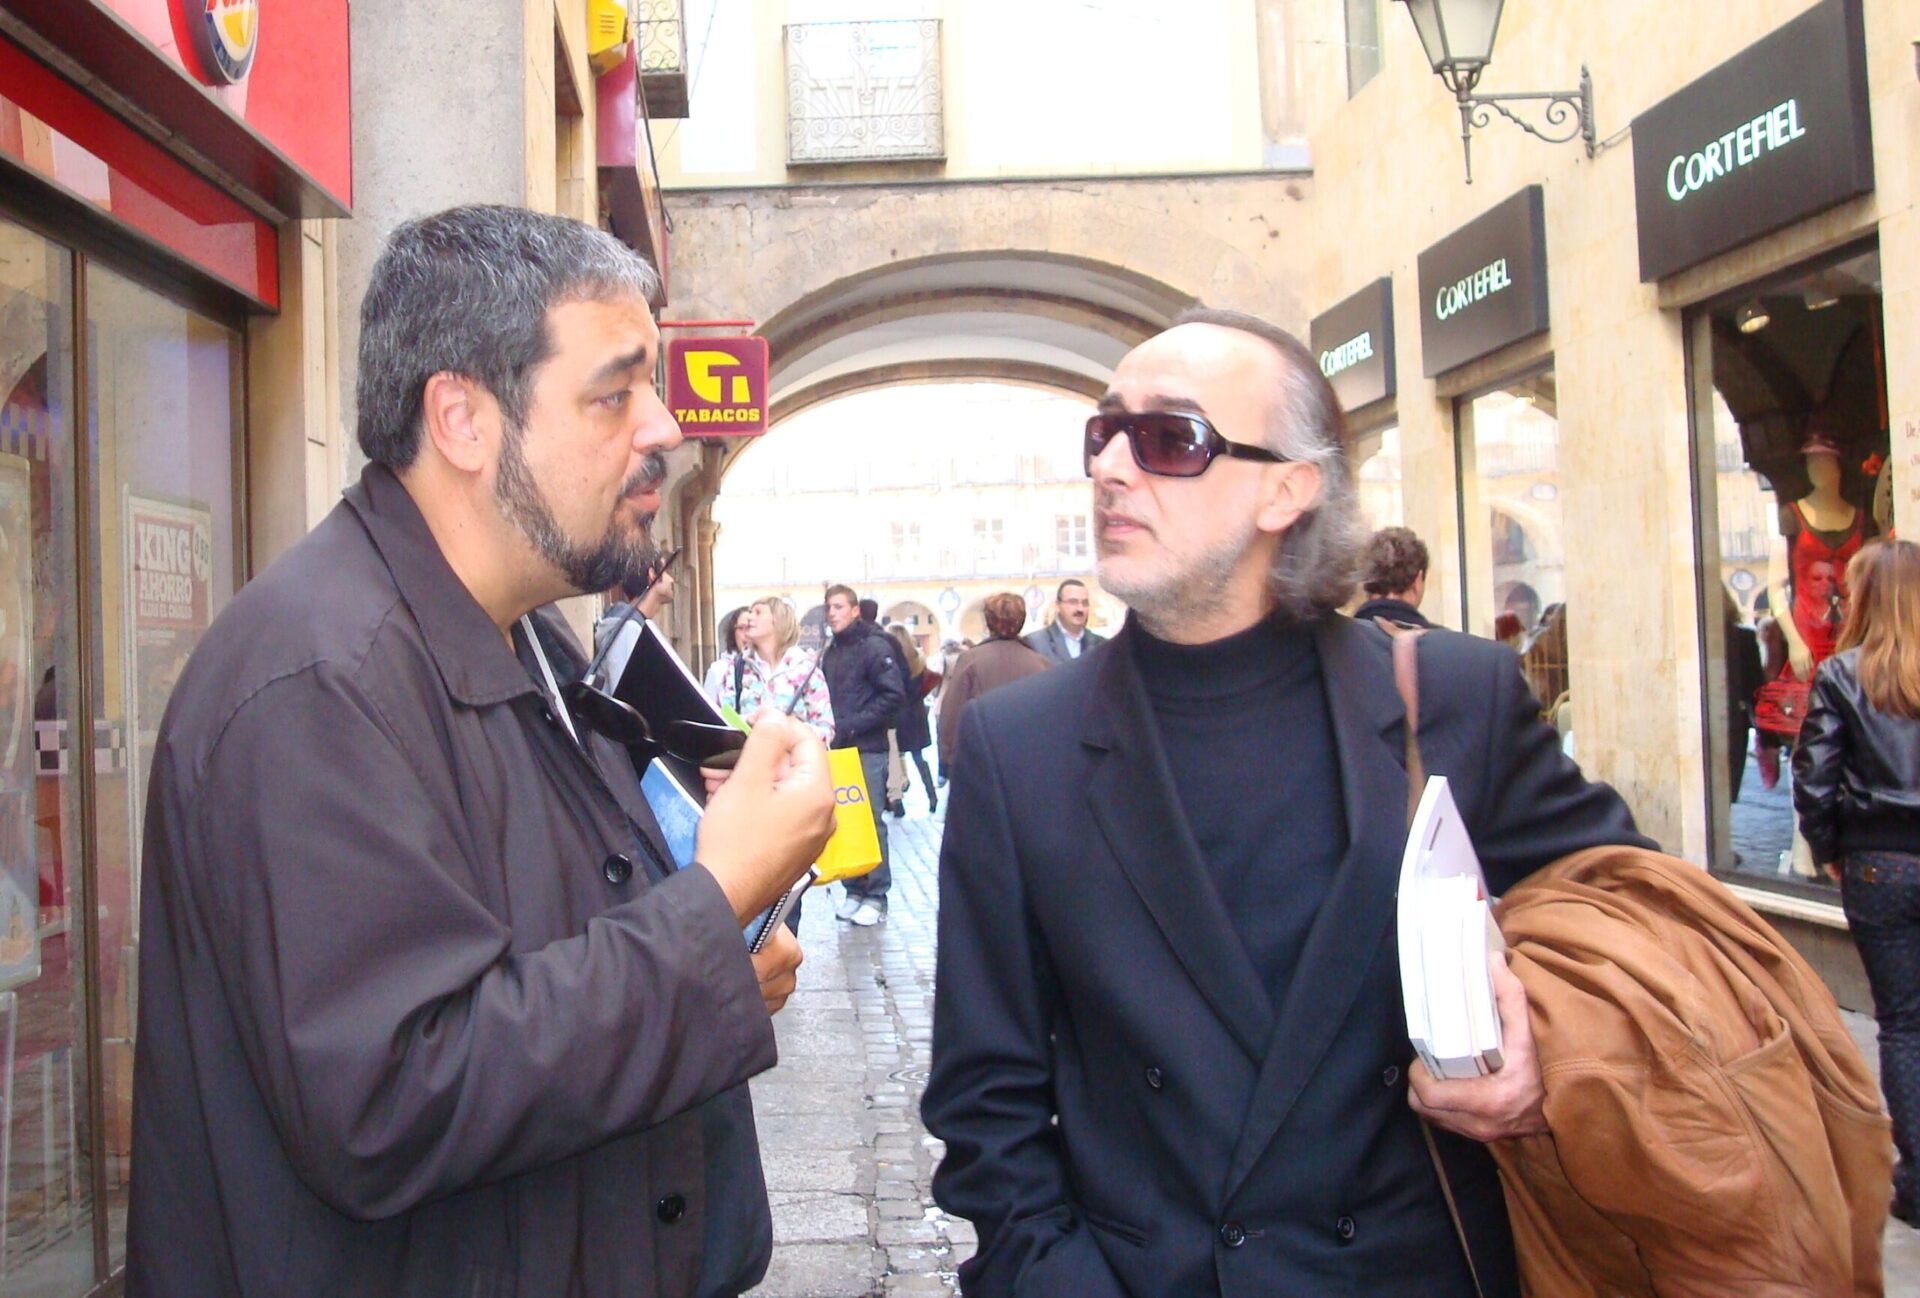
(1792, 472)
(118, 545)
(1512, 547)
(1376, 459)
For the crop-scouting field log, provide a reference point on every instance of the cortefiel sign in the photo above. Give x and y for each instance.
(1776, 133)
(1485, 285)
(1354, 344)
(717, 387)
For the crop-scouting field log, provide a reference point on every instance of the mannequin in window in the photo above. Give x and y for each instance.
(1806, 574)
(1807, 577)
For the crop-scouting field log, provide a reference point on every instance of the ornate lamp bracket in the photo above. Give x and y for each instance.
(1565, 115)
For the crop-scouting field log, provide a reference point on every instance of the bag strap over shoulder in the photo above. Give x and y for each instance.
(1406, 678)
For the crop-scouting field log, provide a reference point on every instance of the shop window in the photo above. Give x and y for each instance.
(1792, 473)
(1512, 540)
(163, 389)
(1376, 460)
(49, 1212)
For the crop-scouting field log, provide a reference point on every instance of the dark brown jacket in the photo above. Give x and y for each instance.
(420, 1011)
(983, 668)
(1714, 1129)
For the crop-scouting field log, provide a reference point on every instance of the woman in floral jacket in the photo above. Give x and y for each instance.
(773, 669)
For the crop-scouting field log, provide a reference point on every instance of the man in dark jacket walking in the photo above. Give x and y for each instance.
(425, 1006)
(1394, 578)
(864, 682)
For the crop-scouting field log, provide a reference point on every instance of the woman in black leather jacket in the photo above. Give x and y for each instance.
(1856, 787)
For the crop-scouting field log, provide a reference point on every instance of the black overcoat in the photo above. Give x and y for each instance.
(420, 1013)
(1125, 1111)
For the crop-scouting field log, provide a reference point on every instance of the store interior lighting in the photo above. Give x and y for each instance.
(1752, 317)
(1821, 296)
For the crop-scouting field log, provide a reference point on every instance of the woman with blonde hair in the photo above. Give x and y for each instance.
(774, 671)
(1856, 787)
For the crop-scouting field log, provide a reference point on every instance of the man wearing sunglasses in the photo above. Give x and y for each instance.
(1170, 1055)
(426, 1008)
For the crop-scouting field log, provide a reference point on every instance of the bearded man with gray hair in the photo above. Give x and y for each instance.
(1169, 1053)
(426, 1007)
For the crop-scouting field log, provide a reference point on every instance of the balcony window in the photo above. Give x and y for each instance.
(1070, 535)
(864, 92)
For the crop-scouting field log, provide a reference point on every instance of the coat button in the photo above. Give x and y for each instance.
(1233, 1234)
(670, 1209)
(1391, 1075)
(1155, 1079)
(619, 867)
(1344, 1228)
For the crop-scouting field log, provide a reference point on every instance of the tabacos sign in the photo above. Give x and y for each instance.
(1354, 344)
(1776, 133)
(717, 387)
(1485, 285)
(225, 34)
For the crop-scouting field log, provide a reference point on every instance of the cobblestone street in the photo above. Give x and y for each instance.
(849, 1165)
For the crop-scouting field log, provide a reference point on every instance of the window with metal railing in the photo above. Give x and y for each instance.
(864, 91)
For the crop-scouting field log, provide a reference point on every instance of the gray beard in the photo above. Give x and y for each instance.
(1166, 605)
(618, 554)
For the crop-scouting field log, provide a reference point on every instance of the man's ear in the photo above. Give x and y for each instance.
(1286, 492)
(459, 419)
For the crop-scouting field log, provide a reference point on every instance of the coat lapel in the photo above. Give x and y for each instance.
(1357, 673)
(1134, 802)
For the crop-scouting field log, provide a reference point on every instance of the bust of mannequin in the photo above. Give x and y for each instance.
(1824, 509)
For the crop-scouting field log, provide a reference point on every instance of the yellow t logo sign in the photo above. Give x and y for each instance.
(706, 384)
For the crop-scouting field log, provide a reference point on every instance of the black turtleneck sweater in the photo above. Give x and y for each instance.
(1246, 729)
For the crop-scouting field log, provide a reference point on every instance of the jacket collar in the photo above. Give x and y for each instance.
(1136, 805)
(1133, 799)
(1356, 666)
(472, 656)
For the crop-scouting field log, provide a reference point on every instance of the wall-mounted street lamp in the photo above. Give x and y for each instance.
(1458, 38)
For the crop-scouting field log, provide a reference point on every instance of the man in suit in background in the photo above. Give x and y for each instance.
(1067, 637)
(1169, 1051)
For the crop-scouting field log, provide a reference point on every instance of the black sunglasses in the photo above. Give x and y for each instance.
(592, 702)
(1167, 443)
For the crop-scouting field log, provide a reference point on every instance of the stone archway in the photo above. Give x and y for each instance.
(1044, 284)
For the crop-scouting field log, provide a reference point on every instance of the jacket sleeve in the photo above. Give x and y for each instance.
(990, 1094)
(1819, 755)
(1535, 806)
(405, 1048)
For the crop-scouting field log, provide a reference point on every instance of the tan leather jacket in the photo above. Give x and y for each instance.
(1714, 1129)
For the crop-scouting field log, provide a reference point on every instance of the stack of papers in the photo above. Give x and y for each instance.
(1448, 940)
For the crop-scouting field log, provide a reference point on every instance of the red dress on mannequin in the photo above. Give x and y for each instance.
(1817, 567)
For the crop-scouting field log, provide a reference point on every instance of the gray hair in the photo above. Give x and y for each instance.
(1318, 564)
(466, 291)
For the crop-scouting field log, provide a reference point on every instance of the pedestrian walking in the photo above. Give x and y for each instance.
(1067, 636)
(1001, 659)
(425, 1007)
(864, 682)
(1170, 1054)
(1394, 577)
(1856, 790)
(912, 731)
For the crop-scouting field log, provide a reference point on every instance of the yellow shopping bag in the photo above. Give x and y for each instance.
(854, 848)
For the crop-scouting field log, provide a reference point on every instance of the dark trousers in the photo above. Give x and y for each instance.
(919, 756)
(875, 884)
(1881, 894)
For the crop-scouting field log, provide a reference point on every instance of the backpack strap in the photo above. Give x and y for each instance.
(1406, 678)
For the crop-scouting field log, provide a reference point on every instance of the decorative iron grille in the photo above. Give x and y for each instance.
(864, 91)
(662, 35)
